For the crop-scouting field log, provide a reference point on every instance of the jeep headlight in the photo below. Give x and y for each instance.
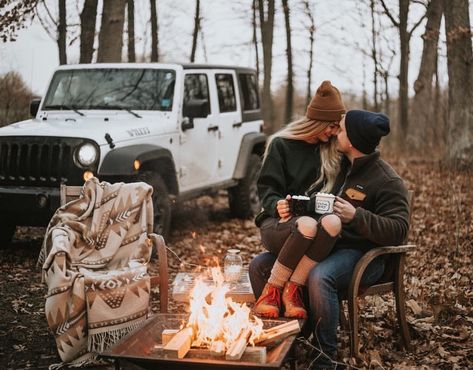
(86, 154)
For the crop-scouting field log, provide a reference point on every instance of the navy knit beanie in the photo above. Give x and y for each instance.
(365, 129)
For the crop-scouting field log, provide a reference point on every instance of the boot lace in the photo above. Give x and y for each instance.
(272, 297)
(295, 295)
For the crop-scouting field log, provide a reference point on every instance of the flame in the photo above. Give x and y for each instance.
(216, 318)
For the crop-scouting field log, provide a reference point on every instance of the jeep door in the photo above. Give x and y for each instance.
(229, 122)
(198, 144)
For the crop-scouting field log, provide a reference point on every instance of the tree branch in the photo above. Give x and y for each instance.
(415, 26)
(388, 13)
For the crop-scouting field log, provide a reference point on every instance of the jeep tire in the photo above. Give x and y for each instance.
(7, 230)
(161, 202)
(243, 198)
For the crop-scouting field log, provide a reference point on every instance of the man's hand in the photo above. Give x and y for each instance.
(283, 209)
(344, 210)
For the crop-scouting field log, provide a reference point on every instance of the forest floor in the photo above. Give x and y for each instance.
(438, 279)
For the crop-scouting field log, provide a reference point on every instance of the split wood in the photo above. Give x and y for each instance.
(177, 343)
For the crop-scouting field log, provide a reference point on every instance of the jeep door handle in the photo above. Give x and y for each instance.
(238, 124)
(212, 128)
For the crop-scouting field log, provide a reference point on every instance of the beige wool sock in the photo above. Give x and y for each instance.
(301, 272)
(279, 274)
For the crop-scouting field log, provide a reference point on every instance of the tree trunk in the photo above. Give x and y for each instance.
(421, 134)
(131, 31)
(111, 31)
(196, 30)
(404, 70)
(154, 32)
(88, 18)
(309, 14)
(374, 56)
(266, 14)
(255, 40)
(460, 102)
(290, 86)
(61, 32)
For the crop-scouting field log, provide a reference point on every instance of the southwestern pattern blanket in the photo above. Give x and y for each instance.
(95, 256)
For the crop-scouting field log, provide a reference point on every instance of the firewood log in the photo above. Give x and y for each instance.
(180, 344)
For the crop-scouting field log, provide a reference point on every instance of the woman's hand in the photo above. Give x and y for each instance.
(344, 210)
(283, 209)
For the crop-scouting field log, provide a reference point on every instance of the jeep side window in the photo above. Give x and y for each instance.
(196, 86)
(226, 93)
(249, 89)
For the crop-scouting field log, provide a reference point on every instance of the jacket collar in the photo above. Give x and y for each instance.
(361, 162)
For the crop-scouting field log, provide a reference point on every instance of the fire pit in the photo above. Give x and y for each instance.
(144, 347)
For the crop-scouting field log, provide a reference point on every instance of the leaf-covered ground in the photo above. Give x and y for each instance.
(438, 279)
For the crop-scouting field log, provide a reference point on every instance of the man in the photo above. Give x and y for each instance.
(373, 206)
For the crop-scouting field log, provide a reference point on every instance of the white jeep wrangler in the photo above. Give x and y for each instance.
(184, 129)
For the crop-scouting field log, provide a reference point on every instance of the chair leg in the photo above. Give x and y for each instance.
(353, 321)
(342, 317)
(400, 297)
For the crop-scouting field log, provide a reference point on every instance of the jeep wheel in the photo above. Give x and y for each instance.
(161, 202)
(7, 230)
(243, 198)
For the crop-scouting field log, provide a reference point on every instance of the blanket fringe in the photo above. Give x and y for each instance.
(99, 342)
(88, 359)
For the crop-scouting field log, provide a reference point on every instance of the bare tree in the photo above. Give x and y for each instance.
(421, 134)
(111, 31)
(195, 34)
(55, 26)
(131, 30)
(154, 32)
(61, 32)
(290, 73)
(460, 79)
(266, 15)
(404, 39)
(15, 97)
(308, 12)
(13, 15)
(254, 23)
(88, 18)
(374, 55)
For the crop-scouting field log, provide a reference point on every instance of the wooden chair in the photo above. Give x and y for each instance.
(391, 281)
(68, 193)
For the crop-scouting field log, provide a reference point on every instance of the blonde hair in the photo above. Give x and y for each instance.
(306, 129)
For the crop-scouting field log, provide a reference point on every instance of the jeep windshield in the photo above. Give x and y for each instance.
(111, 88)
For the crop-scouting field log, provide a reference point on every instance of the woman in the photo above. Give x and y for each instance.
(299, 159)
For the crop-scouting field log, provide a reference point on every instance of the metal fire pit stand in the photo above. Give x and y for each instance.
(139, 348)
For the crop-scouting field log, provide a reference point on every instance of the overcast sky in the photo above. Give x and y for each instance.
(342, 31)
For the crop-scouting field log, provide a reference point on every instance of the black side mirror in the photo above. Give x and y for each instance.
(196, 108)
(34, 106)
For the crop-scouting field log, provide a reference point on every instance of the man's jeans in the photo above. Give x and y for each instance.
(327, 278)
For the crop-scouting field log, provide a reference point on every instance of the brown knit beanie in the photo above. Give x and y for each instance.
(326, 105)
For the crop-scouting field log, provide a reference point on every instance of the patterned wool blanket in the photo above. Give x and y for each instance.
(94, 257)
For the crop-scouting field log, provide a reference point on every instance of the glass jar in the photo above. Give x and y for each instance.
(232, 265)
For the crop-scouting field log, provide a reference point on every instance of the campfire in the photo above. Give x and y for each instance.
(222, 327)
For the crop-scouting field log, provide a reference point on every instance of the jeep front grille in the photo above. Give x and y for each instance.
(38, 161)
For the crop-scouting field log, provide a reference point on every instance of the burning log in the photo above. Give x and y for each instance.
(238, 347)
(278, 333)
(167, 335)
(217, 348)
(180, 344)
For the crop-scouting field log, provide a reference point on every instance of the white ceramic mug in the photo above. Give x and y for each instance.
(324, 203)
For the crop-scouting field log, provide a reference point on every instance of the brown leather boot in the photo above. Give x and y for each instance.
(269, 303)
(292, 301)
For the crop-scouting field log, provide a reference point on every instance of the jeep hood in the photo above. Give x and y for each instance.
(121, 127)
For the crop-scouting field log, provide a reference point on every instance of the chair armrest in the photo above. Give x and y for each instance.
(369, 256)
(160, 246)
